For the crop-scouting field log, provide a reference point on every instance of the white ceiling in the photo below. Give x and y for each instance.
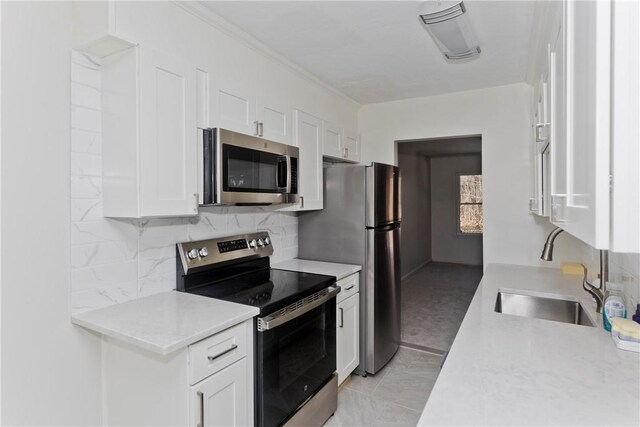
(441, 146)
(376, 51)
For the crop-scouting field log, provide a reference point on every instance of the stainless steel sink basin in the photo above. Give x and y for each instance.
(557, 310)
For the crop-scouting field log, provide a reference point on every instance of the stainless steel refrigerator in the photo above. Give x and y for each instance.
(360, 224)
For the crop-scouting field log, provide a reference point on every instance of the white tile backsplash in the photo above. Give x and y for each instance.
(623, 269)
(116, 260)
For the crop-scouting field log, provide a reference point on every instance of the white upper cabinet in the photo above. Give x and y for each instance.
(274, 102)
(332, 135)
(339, 143)
(309, 140)
(588, 66)
(251, 94)
(234, 87)
(590, 165)
(351, 146)
(625, 128)
(149, 135)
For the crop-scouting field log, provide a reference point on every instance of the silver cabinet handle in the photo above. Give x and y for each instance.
(350, 287)
(260, 128)
(255, 131)
(212, 358)
(301, 202)
(539, 128)
(201, 397)
(341, 321)
(346, 152)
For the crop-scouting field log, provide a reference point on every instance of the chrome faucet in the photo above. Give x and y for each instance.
(595, 292)
(547, 251)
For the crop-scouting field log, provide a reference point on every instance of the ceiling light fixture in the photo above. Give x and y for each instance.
(447, 23)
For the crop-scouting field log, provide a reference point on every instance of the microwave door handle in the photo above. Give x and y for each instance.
(284, 162)
(209, 158)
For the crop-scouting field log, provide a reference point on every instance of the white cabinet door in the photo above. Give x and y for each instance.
(332, 140)
(351, 146)
(234, 89)
(558, 134)
(310, 181)
(222, 399)
(348, 336)
(588, 66)
(274, 102)
(167, 135)
(149, 135)
(625, 129)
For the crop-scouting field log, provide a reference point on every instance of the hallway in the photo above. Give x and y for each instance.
(434, 302)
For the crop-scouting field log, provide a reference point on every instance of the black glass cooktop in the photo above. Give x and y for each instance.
(268, 289)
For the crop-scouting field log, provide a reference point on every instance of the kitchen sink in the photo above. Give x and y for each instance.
(557, 310)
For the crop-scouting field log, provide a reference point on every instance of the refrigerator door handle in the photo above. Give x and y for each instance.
(386, 227)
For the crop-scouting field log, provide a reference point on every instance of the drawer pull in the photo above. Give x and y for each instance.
(230, 349)
(350, 287)
(201, 397)
(341, 322)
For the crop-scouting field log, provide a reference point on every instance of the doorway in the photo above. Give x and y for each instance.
(441, 238)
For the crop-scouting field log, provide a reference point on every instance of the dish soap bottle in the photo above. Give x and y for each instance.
(613, 305)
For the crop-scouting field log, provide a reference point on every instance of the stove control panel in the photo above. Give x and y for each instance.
(212, 252)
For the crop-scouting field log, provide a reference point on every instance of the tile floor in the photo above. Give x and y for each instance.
(394, 396)
(434, 301)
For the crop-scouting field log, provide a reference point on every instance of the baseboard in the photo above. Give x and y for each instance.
(456, 264)
(415, 269)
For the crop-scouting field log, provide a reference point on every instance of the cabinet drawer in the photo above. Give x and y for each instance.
(212, 354)
(350, 285)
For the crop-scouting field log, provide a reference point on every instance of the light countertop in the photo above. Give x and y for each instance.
(340, 271)
(165, 322)
(511, 370)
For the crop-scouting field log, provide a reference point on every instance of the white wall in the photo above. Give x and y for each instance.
(447, 245)
(415, 247)
(50, 368)
(501, 116)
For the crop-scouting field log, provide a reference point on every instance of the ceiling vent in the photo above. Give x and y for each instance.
(447, 23)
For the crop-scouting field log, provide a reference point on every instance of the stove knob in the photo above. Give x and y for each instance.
(260, 242)
(253, 244)
(192, 254)
(267, 241)
(203, 252)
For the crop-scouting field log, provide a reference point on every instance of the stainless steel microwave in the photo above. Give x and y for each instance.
(238, 169)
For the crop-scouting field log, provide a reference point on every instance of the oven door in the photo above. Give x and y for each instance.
(294, 359)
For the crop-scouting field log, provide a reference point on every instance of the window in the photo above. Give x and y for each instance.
(469, 204)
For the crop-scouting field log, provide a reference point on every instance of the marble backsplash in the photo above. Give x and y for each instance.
(115, 260)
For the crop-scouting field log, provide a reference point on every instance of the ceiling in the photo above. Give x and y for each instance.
(376, 51)
(441, 146)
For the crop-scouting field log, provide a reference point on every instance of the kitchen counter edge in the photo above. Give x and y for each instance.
(165, 322)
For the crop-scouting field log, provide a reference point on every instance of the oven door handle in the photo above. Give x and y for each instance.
(297, 309)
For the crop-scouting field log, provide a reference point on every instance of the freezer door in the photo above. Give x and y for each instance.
(383, 295)
(383, 194)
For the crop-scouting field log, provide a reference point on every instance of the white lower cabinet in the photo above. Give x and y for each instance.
(210, 383)
(348, 327)
(221, 399)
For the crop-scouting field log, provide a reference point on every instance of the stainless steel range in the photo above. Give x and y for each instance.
(295, 332)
